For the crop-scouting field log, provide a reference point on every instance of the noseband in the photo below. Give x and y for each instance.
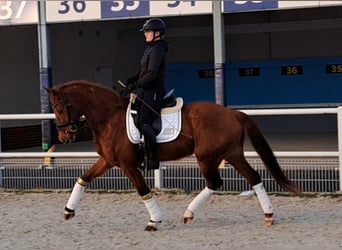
(73, 124)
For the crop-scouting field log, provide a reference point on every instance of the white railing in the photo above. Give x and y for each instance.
(300, 111)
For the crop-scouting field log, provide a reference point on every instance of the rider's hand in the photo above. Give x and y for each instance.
(128, 89)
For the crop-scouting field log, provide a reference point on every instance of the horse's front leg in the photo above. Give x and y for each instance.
(146, 195)
(76, 195)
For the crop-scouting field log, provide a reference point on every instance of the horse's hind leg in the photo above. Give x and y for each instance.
(242, 166)
(76, 195)
(213, 182)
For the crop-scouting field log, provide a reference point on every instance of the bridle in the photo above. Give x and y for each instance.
(73, 124)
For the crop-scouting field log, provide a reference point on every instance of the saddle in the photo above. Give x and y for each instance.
(167, 125)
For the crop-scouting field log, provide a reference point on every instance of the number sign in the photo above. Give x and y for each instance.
(15, 12)
(253, 71)
(292, 70)
(180, 7)
(59, 11)
(115, 9)
(230, 6)
(333, 68)
(206, 73)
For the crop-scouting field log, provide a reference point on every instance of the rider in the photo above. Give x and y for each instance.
(151, 79)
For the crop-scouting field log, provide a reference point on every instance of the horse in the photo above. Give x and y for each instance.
(209, 131)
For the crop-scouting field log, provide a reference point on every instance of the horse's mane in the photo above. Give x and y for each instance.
(103, 92)
(107, 96)
(83, 84)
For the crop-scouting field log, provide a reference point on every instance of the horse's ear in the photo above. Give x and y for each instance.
(47, 90)
(51, 91)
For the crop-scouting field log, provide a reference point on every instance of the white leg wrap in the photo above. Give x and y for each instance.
(264, 200)
(199, 200)
(153, 209)
(76, 196)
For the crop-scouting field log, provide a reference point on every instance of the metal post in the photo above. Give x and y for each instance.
(158, 177)
(0, 138)
(44, 73)
(1, 168)
(339, 136)
(1, 178)
(219, 52)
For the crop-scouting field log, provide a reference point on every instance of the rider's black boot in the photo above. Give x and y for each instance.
(152, 161)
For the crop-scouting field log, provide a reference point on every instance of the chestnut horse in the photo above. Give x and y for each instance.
(209, 131)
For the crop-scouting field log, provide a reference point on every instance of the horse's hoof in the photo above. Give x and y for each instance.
(68, 215)
(152, 226)
(188, 217)
(268, 220)
(187, 220)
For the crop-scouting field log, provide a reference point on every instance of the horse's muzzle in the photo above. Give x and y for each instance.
(67, 136)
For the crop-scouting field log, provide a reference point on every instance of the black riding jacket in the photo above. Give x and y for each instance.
(151, 74)
(151, 78)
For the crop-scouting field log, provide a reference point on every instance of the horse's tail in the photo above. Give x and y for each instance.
(265, 152)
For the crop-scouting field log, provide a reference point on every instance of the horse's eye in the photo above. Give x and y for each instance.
(73, 128)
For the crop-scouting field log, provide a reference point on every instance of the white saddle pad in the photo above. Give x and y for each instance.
(171, 120)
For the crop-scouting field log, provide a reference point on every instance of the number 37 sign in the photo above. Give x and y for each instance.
(18, 12)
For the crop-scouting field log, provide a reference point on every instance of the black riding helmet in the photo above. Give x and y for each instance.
(154, 24)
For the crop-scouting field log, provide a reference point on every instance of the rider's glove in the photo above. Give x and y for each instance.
(128, 89)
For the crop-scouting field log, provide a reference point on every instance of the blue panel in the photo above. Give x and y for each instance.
(184, 79)
(314, 86)
(231, 6)
(113, 9)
